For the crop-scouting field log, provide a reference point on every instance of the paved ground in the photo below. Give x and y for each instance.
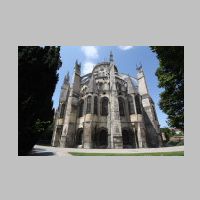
(55, 151)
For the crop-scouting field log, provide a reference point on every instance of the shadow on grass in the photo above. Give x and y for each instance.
(40, 152)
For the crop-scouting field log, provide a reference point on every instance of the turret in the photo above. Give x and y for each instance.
(64, 89)
(142, 85)
(91, 114)
(149, 113)
(76, 80)
(111, 57)
(60, 113)
(114, 124)
(69, 129)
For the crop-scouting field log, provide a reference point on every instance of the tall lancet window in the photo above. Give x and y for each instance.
(81, 105)
(95, 105)
(131, 105)
(119, 88)
(100, 86)
(62, 110)
(89, 104)
(104, 106)
(138, 105)
(121, 106)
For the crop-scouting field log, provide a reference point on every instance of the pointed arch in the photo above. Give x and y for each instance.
(128, 138)
(138, 105)
(81, 105)
(62, 110)
(121, 106)
(104, 106)
(89, 104)
(95, 105)
(79, 137)
(101, 138)
(119, 88)
(131, 105)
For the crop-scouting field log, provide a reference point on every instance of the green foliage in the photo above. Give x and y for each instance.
(40, 126)
(37, 70)
(168, 133)
(46, 136)
(172, 143)
(181, 133)
(175, 143)
(171, 78)
(181, 143)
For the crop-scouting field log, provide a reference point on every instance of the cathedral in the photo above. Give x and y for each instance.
(106, 109)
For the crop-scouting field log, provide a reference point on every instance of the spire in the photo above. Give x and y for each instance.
(67, 76)
(66, 79)
(142, 85)
(112, 77)
(92, 87)
(111, 57)
(77, 66)
(139, 68)
(140, 71)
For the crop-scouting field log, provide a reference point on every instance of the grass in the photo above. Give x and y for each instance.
(175, 153)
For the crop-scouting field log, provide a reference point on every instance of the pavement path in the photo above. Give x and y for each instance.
(39, 150)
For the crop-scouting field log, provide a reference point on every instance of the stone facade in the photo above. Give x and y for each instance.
(106, 109)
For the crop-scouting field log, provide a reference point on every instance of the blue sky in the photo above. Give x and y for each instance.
(126, 59)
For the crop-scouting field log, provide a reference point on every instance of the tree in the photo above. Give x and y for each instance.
(46, 136)
(168, 133)
(171, 78)
(37, 71)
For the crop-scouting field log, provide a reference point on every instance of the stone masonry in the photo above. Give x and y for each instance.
(106, 109)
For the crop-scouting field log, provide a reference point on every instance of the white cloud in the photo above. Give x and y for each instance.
(124, 48)
(88, 67)
(90, 52)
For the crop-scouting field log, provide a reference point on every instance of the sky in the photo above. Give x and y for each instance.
(125, 57)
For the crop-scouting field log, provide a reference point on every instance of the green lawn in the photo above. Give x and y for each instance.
(176, 153)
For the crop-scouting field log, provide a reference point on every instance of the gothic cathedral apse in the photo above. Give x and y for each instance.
(105, 109)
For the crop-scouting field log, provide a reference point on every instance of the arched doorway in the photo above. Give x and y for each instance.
(128, 139)
(79, 137)
(121, 106)
(101, 138)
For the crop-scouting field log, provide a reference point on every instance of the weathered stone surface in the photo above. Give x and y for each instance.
(112, 123)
